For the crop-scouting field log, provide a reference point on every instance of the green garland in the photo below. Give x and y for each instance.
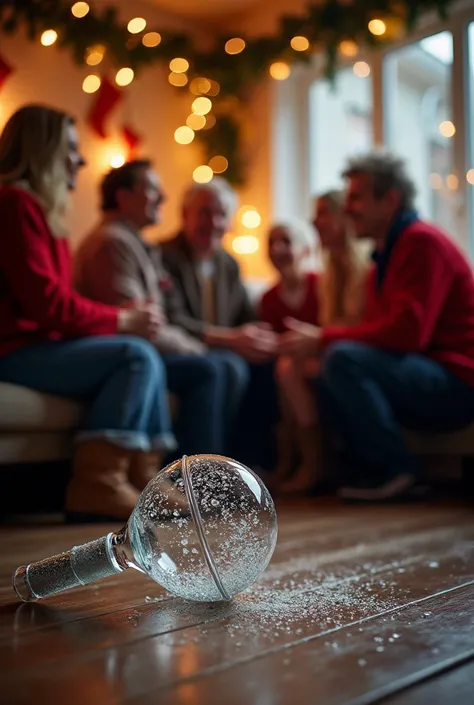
(325, 25)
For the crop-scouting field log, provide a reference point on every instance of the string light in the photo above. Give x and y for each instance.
(245, 244)
(299, 43)
(203, 174)
(470, 177)
(377, 27)
(179, 65)
(178, 79)
(80, 9)
(124, 77)
(210, 122)
(198, 86)
(48, 37)
(95, 54)
(218, 164)
(184, 135)
(201, 106)
(452, 182)
(91, 84)
(117, 160)
(235, 45)
(195, 121)
(279, 70)
(447, 129)
(136, 25)
(151, 39)
(436, 182)
(214, 89)
(249, 217)
(348, 48)
(361, 69)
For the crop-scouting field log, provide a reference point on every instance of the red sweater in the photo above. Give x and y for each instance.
(425, 303)
(274, 310)
(37, 301)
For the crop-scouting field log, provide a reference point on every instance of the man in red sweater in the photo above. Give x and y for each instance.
(410, 362)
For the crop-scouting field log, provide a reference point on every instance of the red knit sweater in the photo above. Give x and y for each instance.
(273, 310)
(37, 301)
(425, 304)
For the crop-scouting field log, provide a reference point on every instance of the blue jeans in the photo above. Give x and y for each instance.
(235, 373)
(120, 379)
(366, 394)
(200, 384)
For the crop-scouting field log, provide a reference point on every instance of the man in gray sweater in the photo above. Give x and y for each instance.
(114, 265)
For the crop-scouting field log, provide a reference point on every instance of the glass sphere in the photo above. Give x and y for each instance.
(205, 528)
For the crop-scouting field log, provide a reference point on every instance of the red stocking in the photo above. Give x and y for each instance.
(106, 99)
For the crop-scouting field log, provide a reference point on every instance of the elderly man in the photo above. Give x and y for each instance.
(114, 265)
(218, 310)
(410, 362)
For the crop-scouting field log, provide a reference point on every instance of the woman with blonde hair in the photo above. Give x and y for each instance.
(340, 297)
(58, 342)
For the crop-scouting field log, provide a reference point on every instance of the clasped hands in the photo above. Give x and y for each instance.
(258, 343)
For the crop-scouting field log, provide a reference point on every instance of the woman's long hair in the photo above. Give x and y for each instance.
(342, 301)
(33, 154)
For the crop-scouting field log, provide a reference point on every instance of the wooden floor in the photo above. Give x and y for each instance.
(359, 605)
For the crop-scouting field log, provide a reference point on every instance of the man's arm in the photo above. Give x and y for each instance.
(407, 326)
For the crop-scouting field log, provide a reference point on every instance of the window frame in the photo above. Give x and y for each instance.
(298, 129)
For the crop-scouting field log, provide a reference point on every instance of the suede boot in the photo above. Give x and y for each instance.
(99, 489)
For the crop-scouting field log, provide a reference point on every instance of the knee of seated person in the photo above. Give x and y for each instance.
(342, 356)
(285, 370)
(142, 354)
(237, 368)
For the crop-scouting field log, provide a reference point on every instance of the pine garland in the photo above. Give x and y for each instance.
(325, 25)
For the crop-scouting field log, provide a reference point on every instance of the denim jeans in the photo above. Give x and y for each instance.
(120, 379)
(200, 385)
(235, 373)
(365, 395)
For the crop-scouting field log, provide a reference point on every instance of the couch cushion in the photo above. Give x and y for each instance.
(24, 409)
(45, 446)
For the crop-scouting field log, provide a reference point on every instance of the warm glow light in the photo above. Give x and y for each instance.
(179, 65)
(470, 177)
(235, 45)
(245, 244)
(348, 48)
(195, 121)
(279, 70)
(95, 54)
(203, 174)
(250, 217)
(299, 43)
(124, 77)
(447, 129)
(184, 135)
(201, 106)
(361, 69)
(117, 160)
(210, 122)
(151, 39)
(377, 27)
(218, 164)
(198, 86)
(178, 79)
(80, 9)
(48, 37)
(436, 181)
(452, 182)
(91, 84)
(136, 25)
(214, 89)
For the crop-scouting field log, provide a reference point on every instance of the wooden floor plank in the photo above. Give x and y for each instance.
(340, 578)
(453, 685)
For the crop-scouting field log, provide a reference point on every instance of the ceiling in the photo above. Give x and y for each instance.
(208, 9)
